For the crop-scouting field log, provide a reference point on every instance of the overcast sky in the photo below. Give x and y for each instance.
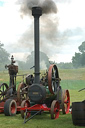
(60, 33)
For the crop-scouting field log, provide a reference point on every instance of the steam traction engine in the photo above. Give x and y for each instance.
(10, 95)
(45, 93)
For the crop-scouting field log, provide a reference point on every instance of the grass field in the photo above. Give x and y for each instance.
(73, 80)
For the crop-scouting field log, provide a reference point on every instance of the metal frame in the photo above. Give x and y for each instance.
(37, 108)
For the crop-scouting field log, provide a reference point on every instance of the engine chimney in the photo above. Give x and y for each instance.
(36, 12)
(37, 93)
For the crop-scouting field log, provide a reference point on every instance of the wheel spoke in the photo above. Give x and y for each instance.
(3, 90)
(65, 96)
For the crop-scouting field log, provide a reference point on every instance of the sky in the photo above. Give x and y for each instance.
(60, 33)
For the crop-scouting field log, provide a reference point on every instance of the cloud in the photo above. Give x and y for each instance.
(63, 1)
(20, 56)
(60, 33)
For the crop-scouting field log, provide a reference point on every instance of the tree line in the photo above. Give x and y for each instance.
(78, 60)
(6, 59)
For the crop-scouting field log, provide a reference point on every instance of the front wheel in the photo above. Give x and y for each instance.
(55, 107)
(10, 107)
(65, 102)
(25, 103)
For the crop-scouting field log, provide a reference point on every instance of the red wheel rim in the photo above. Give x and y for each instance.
(56, 110)
(66, 102)
(55, 107)
(50, 77)
(13, 108)
(27, 104)
(24, 104)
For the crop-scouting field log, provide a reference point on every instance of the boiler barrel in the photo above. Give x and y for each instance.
(39, 94)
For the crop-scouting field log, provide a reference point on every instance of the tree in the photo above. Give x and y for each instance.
(22, 65)
(44, 60)
(79, 59)
(82, 47)
(76, 60)
(4, 55)
(63, 65)
(83, 59)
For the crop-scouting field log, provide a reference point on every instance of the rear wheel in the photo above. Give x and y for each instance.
(10, 107)
(55, 107)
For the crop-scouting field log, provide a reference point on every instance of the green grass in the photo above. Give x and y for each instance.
(40, 121)
(73, 80)
(76, 96)
(73, 84)
(4, 76)
(44, 120)
(72, 74)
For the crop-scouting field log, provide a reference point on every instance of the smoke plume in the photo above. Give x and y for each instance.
(50, 38)
(48, 6)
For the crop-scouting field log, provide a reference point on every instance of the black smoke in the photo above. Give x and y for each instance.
(48, 6)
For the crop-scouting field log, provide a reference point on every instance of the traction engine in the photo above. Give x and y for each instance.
(45, 92)
(10, 95)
